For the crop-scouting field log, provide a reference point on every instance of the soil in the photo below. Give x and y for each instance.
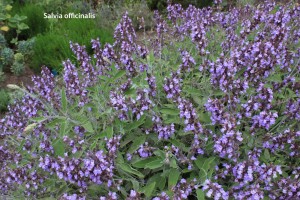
(22, 80)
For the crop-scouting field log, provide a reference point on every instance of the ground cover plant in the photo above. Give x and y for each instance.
(207, 110)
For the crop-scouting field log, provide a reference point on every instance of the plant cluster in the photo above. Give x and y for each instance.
(15, 23)
(34, 19)
(15, 62)
(52, 53)
(187, 118)
(11, 57)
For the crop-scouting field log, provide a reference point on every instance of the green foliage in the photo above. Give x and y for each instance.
(2, 41)
(35, 20)
(55, 6)
(2, 76)
(18, 66)
(19, 57)
(26, 47)
(4, 100)
(12, 26)
(6, 58)
(53, 47)
(49, 53)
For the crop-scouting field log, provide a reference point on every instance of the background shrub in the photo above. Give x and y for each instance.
(35, 20)
(18, 66)
(6, 58)
(76, 30)
(26, 47)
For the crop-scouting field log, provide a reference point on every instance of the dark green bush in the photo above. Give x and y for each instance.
(52, 47)
(35, 20)
(4, 100)
(49, 50)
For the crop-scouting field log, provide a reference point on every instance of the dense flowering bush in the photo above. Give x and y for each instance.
(211, 109)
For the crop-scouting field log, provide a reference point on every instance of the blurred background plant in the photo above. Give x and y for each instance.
(11, 26)
(4, 99)
(2, 76)
(112, 12)
(35, 19)
(25, 47)
(18, 66)
(7, 58)
(76, 30)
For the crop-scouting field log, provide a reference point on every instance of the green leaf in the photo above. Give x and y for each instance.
(127, 168)
(144, 162)
(135, 184)
(148, 189)
(173, 163)
(275, 78)
(148, 123)
(170, 111)
(119, 74)
(160, 153)
(55, 122)
(23, 26)
(63, 128)
(136, 144)
(202, 175)
(64, 102)
(204, 117)
(8, 7)
(160, 180)
(155, 164)
(209, 163)
(130, 92)
(179, 144)
(21, 145)
(173, 178)
(200, 194)
(267, 154)
(171, 119)
(59, 148)
(119, 158)
(135, 124)
(38, 119)
(14, 40)
(199, 162)
(128, 138)
(88, 127)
